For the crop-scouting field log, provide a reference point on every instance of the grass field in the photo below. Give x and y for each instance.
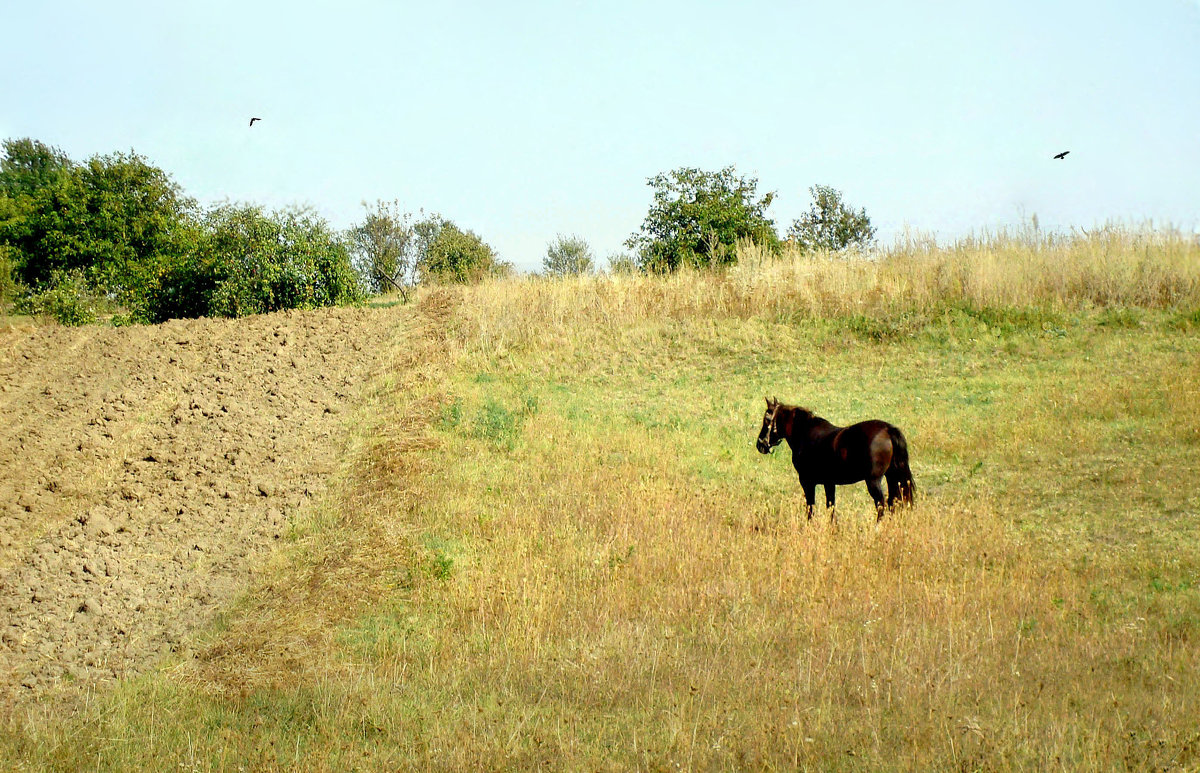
(554, 545)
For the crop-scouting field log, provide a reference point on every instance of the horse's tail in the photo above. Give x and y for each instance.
(899, 469)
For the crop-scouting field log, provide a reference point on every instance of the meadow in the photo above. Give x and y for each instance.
(553, 545)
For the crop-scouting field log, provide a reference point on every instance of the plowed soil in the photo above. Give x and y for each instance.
(145, 473)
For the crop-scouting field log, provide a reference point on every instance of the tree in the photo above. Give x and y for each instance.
(10, 215)
(450, 254)
(568, 255)
(830, 224)
(112, 219)
(29, 165)
(385, 248)
(698, 217)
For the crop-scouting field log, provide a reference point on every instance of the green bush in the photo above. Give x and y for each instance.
(568, 256)
(451, 255)
(830, 224)
(117, 229)
(67, 298)
(8, 281)
(249, 261)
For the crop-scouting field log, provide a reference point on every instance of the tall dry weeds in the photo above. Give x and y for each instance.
(1109, 267)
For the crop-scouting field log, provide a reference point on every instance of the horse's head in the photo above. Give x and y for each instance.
(770, 435)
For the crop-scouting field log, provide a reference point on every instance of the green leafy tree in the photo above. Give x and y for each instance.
(451, 255)
(29, 165)
(26, 168)
(113, 222)
(568, 255)
(139, 220)
(830, 224)
(698, 217)
(9, 287)
(384, 248)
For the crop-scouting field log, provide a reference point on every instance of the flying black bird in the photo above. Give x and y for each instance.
(252, 120)
(1062, 155)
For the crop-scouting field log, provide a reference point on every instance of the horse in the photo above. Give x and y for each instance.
(837, 456)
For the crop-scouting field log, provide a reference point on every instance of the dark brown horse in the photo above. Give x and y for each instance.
(836, 456)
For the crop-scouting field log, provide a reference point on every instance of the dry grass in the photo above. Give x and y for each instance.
(910, 284)
(555, 547)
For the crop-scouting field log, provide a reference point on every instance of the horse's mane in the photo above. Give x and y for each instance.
(793, 411)
(798, 410)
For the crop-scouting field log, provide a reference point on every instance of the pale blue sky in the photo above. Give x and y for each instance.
(522, 120)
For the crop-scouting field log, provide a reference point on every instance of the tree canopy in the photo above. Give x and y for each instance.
(112, 217)
(698, 217)
(117, 230)
(29, 165)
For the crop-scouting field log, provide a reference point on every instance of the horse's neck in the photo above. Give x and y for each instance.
(807, 428)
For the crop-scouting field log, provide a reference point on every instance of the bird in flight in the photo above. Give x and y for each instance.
(252, 120)
(1062, 155)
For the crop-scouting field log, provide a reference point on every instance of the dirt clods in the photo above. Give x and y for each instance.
(146, 472)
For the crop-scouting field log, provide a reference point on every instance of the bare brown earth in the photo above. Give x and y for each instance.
(145, 472)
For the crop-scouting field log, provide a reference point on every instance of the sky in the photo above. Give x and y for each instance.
(524, 120)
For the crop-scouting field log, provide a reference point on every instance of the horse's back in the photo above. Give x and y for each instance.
(857, 452)
(873, 434)
(872, 427)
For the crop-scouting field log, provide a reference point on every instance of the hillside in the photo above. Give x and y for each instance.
(537, 534)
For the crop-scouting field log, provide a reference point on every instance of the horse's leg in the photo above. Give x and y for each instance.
(810, 496)
(829, 497)
(875, 486)
(893, 481)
